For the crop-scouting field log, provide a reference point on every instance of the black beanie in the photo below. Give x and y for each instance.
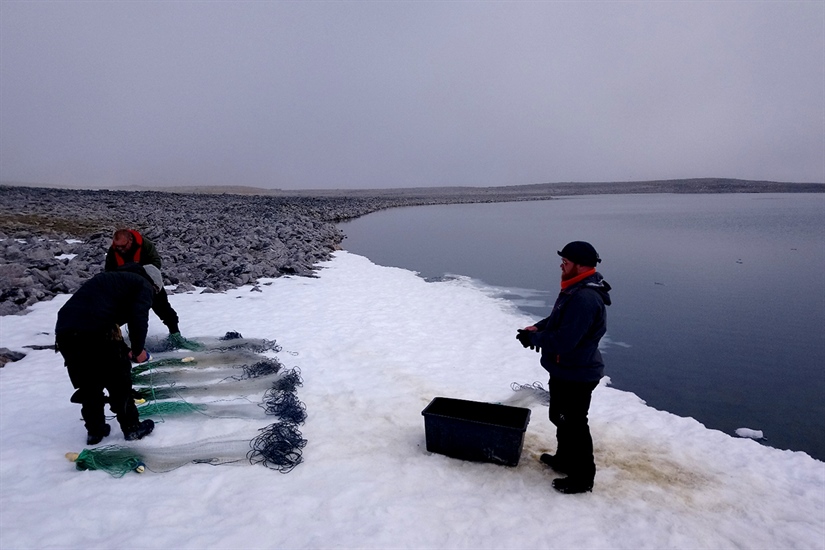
(580, 252)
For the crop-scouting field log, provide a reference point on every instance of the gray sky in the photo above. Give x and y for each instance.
(404, 94)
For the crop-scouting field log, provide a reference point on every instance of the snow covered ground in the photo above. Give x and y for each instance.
(374, 346)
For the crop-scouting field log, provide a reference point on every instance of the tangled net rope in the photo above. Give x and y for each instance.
(536, 389)
(261, 368)
(289, 381)
(286, 406)
(278, 447)
(280, 400)
(258, 346)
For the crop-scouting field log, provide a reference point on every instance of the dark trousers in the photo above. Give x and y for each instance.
(163, 309)
(569, 404)
(98, 361)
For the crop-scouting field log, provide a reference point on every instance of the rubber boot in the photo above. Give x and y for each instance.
(140, 431)
(96, 436)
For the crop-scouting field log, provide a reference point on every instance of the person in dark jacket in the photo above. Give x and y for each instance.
(130, 247)
(569, 344)
(88, 336)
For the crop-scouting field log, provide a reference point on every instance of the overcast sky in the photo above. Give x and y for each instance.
(404, 94)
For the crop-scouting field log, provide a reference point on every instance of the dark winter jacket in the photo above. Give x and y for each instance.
(106, 300)
(569, 337)
(143, 252)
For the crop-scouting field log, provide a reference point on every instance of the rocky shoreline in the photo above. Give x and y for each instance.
(52, 240)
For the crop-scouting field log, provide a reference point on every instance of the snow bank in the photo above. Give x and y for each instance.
(374, 346)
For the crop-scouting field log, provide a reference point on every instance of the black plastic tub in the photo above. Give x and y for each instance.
(471, 430)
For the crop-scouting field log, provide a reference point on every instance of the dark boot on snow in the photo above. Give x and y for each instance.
(140, 431)
(572, 486)
(554, 462)
(96, 436)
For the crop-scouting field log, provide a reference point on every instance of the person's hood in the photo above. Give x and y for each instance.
(597, 283)
(149, 272)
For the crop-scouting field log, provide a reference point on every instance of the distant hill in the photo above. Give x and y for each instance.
(494, 194)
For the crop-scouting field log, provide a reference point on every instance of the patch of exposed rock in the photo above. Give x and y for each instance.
(51, 240)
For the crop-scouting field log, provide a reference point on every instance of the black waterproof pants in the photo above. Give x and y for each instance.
(163, 309)
(569, 405)
(98, 361)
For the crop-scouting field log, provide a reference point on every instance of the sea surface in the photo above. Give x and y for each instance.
(719, 299)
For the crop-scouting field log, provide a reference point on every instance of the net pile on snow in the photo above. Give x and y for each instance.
(264, 367)
(213, 373)
(227, 387)
(535, 389)
(193, 373)
(118, 460)
(196, 360)
(112, 459)
(281, 400)
(237, 408)
(230, 341)
(289, 381)
(278, 447)
(169, 408)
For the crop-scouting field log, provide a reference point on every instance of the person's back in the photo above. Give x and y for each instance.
(87, 334)
(107, 299)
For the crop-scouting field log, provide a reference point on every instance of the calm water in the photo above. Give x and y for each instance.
(719, 300)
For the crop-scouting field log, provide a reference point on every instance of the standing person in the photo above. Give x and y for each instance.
(130, 247)
(89, 338)
(569, 343)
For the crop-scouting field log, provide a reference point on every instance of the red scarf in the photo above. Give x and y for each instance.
(578, 278)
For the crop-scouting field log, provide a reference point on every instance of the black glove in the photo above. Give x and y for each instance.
(524, 336)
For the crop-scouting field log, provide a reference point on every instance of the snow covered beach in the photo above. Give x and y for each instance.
(374, 346)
